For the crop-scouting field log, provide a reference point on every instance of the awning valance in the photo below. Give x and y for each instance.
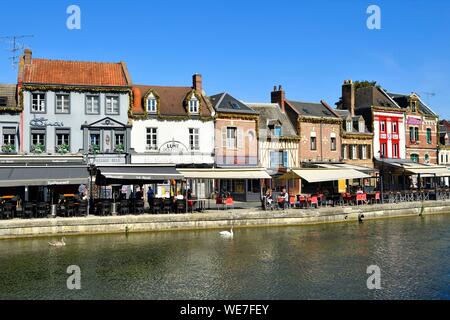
(225, 173)
(438, 171)
(42, 176)
(324, 174)
(140, 173)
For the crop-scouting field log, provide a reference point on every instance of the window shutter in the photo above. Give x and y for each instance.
(224, 137)
(273, 159)
(240, 139)
(285, 159)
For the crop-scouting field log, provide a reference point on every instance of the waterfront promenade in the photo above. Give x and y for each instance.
(210, 219)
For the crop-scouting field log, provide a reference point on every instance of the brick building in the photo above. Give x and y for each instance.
(421, 129)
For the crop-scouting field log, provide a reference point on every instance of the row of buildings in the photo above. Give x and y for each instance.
(72, 112)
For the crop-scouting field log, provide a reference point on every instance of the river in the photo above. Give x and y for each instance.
(326, 261)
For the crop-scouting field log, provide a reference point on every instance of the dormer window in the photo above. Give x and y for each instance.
(413, 106)
(349, 126)
(277, 131)
(193, 105)
(152, 104)
(361, 126)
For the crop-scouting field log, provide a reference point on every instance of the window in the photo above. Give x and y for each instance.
(394, 127)
(112, 105)
(361, 126)
(194, 139)
(429, 136)
(152, 104)
(344, 152)
(383, 150)
(442, 158)
(231, 138)
(416, 134)
(415, 158)
(427, 158)
(353, 155)
(313, 143)
(362, 152)
(446, 158)
(413, 106)
(152, 139)
(62, 103)
(62, 140)
(9, 139)
(3, 102)
(119, 142)
(349, 126)
(193, 105)
(395, 150)
(95, 142)
(38, 141)
(92, 104)
(38, 102)
(277, 131)
(333, 144)
(279, 159)
(383, 126)
(411, 134)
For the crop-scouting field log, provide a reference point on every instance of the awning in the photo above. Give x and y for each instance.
(324, 174)
(42, 176)
(225, 173)
(140, 173)
(429, 171)
(349, 166)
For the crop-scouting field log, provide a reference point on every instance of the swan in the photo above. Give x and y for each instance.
(57, 243)
(227, 234)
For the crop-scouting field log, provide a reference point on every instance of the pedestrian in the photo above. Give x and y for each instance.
(151, 198)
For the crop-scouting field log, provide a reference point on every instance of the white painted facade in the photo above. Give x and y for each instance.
(173, 145)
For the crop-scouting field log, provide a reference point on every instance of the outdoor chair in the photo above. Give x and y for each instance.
(157, 207)
(167, 207)
(42, 210)
(181, 206)
(219, 202)
(139, 207)
(28, 210)
(314, 201)
(376, 198)
(190, 206)
(82, 209)
(70, 209)
(106, 208)
(124, 207)
(229, 203)
(361, 199)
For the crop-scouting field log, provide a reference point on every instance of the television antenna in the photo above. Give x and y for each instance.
(16, 47)
(428, 95)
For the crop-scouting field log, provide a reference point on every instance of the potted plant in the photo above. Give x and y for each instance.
(8, 148)
(95, 148)
(62, 149)
(38, 148)
(120, 148)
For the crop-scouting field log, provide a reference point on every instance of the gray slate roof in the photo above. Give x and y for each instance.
(403, 101)
(8, 91)
(224, 102)
(270, 113)
(309, 109)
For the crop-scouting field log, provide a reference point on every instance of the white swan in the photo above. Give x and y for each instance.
(57, 243)
(227, 234)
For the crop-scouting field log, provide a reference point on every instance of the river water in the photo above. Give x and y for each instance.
(308, 262)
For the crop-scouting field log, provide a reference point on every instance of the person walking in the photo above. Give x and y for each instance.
(151, 198)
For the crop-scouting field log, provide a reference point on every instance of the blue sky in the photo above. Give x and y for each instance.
(246, 47)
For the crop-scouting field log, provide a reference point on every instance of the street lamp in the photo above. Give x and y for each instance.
(92, 171)
(381, 176)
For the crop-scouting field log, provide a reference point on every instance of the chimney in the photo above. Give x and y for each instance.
(197, 83)
(348, 96)
(27, 56)
(278, 96)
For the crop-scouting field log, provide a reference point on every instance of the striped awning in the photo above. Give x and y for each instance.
(324, 174)
(225, 173)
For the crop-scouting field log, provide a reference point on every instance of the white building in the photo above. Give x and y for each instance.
(173, 125)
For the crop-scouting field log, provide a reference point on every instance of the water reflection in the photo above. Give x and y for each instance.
(314, 262)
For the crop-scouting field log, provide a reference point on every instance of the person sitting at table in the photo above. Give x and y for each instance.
(360, 191)
(269, 197)
(285, 198)
(189, 194)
